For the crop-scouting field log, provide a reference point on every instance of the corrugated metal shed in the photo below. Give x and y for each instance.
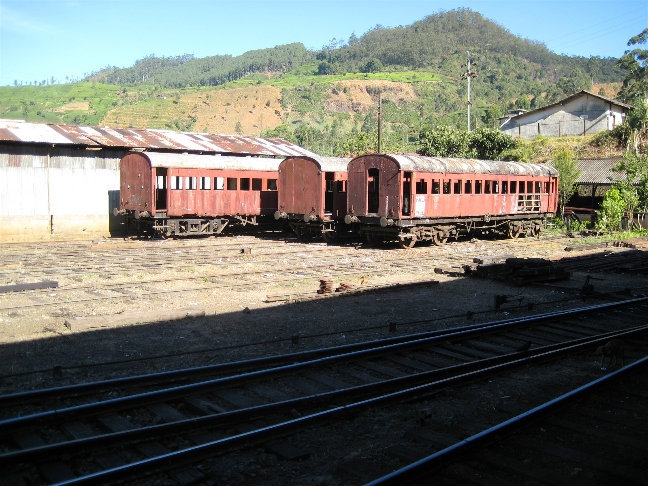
(152, 139)
(463, 166)
(598, 171)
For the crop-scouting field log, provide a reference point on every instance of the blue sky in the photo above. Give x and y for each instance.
(41, 39)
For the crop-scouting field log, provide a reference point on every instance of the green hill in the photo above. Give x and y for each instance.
(322, 99)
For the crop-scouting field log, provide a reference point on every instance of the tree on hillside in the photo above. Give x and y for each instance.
(491, 116)
(637, 121)
(628, 195)
(444, 141)
(483, 143)
(490, 143)
(635, 63)
(565, 163)
(634, 186)
(575, 82)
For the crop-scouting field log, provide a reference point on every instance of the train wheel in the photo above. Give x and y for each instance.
(439, 238)
(407, 240)
(514, 231)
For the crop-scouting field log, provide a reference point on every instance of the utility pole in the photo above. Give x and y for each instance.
(469, 74)
(379, 122)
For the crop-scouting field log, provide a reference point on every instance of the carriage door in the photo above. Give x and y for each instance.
(160, 189)
(373, 190)
(329, 192)
(407, 193)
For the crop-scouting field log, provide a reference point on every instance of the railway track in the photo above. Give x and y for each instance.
(139, 426)
(222, 285)
(155, 270)
(139, 270)
(591, 435)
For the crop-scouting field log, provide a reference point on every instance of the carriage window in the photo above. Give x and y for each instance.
(204, 183)
(478, 187)
(529, 187)
(546, 187)
(513, 187)
(436, 187)
(487, 185)
(257, 184)
(271, 185)
(521, 187)
(330, 182)
(219, 183)
(538, 187)
(468, 187)
(231, 184)
(176, 182)
(160, 182)
(495, 187)
(245, 184)
(457, 187)
(341, 186)
(190, 182)
(446, 187)
(421, 186)
(504, 187)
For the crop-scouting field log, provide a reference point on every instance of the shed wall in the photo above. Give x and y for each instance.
(579, 116)
(48, 192)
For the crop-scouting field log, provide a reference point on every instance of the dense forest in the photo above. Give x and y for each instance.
(327, 100)
(440, 43)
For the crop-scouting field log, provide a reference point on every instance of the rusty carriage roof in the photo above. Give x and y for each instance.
(150, 139)
(326, 164)
(447, 165)
(202, 161)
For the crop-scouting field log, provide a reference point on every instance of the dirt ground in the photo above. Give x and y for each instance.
(169, 322)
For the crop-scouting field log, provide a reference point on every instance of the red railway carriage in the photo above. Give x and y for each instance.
(312, 195)
(172, 194)
(412, 198)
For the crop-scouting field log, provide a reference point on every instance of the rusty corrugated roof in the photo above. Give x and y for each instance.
(151, 139)
(462, 166)
(598, 171)
(329, 164)
(197, 161)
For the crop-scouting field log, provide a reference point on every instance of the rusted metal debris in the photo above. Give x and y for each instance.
(521, 271)
(326, 286)
(344, 287)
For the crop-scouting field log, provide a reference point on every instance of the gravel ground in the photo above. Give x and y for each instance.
(242, 322)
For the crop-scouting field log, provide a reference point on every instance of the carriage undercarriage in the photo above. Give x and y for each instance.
(165, 227)
(408, 232)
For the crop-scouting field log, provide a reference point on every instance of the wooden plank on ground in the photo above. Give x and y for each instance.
(83, 323)
(46, 284)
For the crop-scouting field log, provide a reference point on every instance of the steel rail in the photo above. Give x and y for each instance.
(412, 471)
(235, 416)
(313, 356)
(189, 455)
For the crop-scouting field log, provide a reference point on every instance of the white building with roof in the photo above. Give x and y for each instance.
(580, 114)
